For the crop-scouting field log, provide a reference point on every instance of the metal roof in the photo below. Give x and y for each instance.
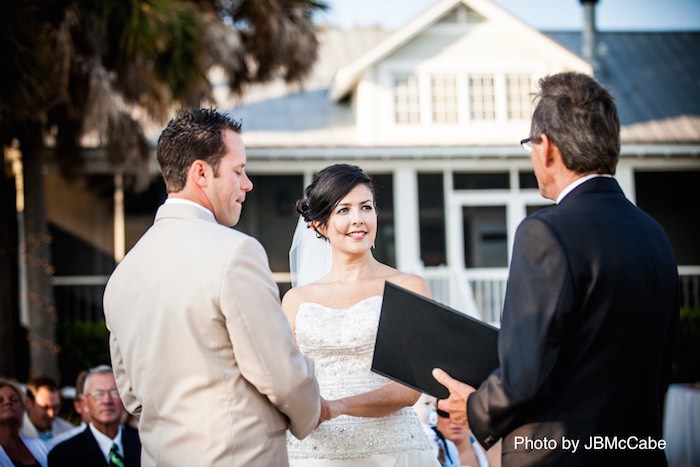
(655, 78)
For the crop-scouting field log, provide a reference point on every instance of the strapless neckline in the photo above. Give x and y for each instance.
(354, 305)
(341, 343)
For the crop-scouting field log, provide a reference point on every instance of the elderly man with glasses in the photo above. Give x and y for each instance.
(591, 308)
(105, 441)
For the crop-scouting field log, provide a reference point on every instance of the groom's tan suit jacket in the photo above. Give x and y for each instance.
(201, 350)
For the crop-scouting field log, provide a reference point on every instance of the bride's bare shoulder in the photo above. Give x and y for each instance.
(412, 282)
(293, 298)
(298, 295)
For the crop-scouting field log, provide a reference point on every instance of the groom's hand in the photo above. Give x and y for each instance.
(325, 411)
(456, 404)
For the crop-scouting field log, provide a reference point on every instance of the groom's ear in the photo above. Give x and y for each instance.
(198, 172)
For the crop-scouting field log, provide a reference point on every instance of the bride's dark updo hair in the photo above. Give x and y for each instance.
(327, 188)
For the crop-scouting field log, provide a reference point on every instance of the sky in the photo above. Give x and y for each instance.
(611, 15)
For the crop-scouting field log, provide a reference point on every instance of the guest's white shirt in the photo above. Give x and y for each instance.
(37, 447)
(58, 426)
(105, 442)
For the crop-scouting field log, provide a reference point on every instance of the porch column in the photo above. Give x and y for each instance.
(453, 227)
(625, 177)
(14, 156)
(119, 225)
(406, 221)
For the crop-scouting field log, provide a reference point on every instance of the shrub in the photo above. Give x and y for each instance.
(686, 364)
(84, 345)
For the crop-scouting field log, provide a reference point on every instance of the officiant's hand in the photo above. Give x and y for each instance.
(456, 404)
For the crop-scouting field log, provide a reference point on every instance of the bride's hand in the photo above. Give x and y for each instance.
(335, 408)
(330, 409)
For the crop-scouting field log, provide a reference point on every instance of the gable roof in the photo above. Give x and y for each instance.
(654, 77)
(349, 75)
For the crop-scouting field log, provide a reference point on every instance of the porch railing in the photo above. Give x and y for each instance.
(476, 292)
(481, 292)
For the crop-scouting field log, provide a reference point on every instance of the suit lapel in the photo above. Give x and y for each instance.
(93, 453)
(132, 446)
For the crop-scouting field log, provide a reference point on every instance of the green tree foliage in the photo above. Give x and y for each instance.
(108, 68)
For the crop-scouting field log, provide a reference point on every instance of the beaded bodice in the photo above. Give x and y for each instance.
(341, 343)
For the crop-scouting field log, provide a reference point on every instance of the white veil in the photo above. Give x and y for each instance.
(310, 257)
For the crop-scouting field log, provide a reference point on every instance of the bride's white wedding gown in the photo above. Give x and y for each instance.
(341, 343)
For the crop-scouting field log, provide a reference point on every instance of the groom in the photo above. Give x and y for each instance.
(201, 350)
(591, 307)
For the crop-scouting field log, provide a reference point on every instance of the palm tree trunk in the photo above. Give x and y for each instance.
(43, 349)
(8, 259)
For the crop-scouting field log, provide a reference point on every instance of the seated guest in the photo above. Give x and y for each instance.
(16, 449)
(42, 404)
(78, 404)
(444, 449)
(104, 442)
(470, 451)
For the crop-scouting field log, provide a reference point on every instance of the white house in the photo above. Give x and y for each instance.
(434, 112)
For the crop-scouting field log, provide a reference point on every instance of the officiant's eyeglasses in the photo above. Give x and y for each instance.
(526, 144)
(443, 414)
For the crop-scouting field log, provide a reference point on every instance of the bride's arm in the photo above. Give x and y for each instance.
(393, 396)
(290, 305)
(377, 403)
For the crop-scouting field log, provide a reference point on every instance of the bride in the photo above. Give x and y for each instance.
(334, 321)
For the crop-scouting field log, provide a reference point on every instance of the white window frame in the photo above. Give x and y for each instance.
(406, 97)
(449, 97)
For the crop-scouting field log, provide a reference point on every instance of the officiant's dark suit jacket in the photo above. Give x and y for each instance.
(585, 346)
(82, 449)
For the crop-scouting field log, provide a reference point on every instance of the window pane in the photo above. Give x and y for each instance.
(485, 237)
(482, 98)
(530, 209)
(431, 212)
(461, 14)
(672, 199)
(444, 98)
(140, 208)
(481, 181)
(268, 214)
(406, 101)
(385, 244)
(527, 180)
(518, 89)
(85, 245)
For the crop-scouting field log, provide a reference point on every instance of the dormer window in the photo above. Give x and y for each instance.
(518, 89)
(462, 15)
(406, 99)
(445, 101)
(458, 98)
(482, 98)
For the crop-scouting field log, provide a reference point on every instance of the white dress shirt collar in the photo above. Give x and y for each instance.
(188, 203)
(105, 442)
(579, 181)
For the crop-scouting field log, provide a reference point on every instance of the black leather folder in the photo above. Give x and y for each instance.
(417, 334)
